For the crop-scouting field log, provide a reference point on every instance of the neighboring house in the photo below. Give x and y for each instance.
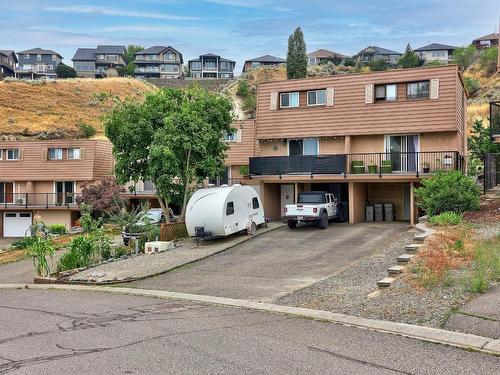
(490, 40)
(99, 62)
(8, 61)
(158, 62)
(322, 55)
(37, 63)
(371, 53)
(436, 52)
(45, 177)
(262, 60)
(368, 138)
(211, 66)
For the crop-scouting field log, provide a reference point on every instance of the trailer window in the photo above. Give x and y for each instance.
(255, 203)
(230, 208)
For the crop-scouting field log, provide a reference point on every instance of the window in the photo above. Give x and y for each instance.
(50, 67)
(170, 68)
(170, 56)
(196, 75)
(225, 75)
(317, 97)
(26, 55)
(55, 154)
(312, 60)
(74, 153)
(385, 92)
(38, 57)
(54, 57)
(417, 90)
(12, 154)
(112, 57)
(100, 57)
(230, 208)
(310, 146)
(195, 65)
(209, 63)
(255, 64)
(255, 203)
(307, 146)
(231, 137)
(64, 191)
(224, 65)
(289, 100)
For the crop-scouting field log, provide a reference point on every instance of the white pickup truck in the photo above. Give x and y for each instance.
(316, 206)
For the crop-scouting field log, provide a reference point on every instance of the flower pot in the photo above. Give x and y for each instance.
(427, 169)
(358, 169)
(372, 169)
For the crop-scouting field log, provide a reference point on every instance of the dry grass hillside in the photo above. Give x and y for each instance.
(57, 109)
(478, 106)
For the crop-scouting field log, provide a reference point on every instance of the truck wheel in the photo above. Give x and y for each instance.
(323, 220)
(292, 224)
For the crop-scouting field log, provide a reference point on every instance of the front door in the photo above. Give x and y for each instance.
(287, 196)
(402, 151)
(406, 202)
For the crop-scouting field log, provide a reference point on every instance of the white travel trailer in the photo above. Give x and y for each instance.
(224, 210)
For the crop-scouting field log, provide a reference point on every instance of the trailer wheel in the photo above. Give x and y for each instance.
(252, 229)
(323, 220)
(292, 224)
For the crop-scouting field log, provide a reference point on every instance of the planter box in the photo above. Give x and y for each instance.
(372, 169)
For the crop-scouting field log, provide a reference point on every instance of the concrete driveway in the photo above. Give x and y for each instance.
(277, 263)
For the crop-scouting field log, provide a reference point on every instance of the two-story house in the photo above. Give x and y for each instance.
(486, 41)
(211, 66)
(371, 53)
(158, 62)
(323, 55)
(368, 138)
(38, 63)
(436, 52)
(99, 62)
(266, 60)
(45, 177)
(8, 61)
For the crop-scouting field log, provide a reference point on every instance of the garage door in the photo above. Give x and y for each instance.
(15, 224)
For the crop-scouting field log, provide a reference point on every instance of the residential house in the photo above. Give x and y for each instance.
(323, 55)
(37, 63)
(158, 62)
(211, 66)
(490, 40)
(368, 138)
(8, 61)
(436, 52)
(45, 177)
(371, 53)
(262, 60)
(99, 62)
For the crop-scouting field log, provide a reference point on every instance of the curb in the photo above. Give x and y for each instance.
(434, 335)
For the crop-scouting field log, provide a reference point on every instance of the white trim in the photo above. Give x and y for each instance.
(288, 93)
(317, 104)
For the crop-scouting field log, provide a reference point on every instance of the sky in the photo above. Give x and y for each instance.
(243, 29)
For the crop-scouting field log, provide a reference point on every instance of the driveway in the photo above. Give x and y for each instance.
(277, 263)
(6, 241)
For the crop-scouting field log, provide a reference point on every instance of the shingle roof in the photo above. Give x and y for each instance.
(379, 51)
(435, 47)
(40, 51)
(209, 55)
(86, 54)
(119, 50)
(267, 58)
(325, 53)
(487, 37)
(8, 52)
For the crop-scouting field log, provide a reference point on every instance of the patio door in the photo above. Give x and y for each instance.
(64, 192)
(6, 192)
(401, 150)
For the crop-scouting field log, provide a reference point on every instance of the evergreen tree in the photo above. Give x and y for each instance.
(296, 59)
(480, 142)
(409, 59)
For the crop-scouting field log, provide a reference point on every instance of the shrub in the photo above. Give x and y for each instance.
(244, 170)
(103, 197)
(57, 229)
(472, 85)
(39, 249)
(449, 191)
(250, 105)
(243, 89)
(22, 243)
(465, 56)
(378, 65)
(65, 71)
(88, 223)
(349, 62)
(86, 130)
(447, 218)
(488, 60)
(81, 252)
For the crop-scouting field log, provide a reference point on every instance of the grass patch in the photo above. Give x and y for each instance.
(447, 218)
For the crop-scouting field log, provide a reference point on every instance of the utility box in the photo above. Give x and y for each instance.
(158, 246)
(389, 211)
(369, 213)
(379, 211)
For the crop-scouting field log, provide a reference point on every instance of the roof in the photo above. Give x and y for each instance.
(212, 55)
(40, 51)
(435, 47)
(379, 51)
(325, 53)
(487, 37)
(8, 52)
(84, 54)
(268, 59)
(156, 50)
(118, 50)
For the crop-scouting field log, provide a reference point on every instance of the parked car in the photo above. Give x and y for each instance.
(154, 216)
(312, 206)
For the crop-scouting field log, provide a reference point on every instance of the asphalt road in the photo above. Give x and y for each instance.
(277, 263)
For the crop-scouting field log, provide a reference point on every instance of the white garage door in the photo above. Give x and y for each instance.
(15, 224)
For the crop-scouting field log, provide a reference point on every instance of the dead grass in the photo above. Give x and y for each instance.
(59, 107)
(12, 256)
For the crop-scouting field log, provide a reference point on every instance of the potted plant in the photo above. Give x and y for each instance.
(357, 166)
(372, 167)
(244, 171)
(426, 166)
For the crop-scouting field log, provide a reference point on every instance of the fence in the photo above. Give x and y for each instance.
(173, 231)
(491, 171)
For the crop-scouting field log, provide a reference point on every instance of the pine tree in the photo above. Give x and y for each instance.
(296, 59)
(409, 59)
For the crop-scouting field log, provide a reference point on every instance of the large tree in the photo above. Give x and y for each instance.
(174, 138)
(409, 59)
(479, 142)
(129, 59)
(65, 71)
(104, 197)
(296, 58)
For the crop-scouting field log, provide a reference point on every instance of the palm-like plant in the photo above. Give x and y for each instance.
(39, 249)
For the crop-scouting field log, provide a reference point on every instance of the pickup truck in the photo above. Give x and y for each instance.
(312, 206)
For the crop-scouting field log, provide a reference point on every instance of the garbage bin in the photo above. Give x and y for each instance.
(379, 211)
(389, 212)
(369, 213)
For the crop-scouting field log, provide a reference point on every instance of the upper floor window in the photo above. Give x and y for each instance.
(209, 63)
(196, 65)
(224, 65)
(112, 57)
(385, 92)
(55, 154)
(417, 90)
(100, 57)
(73, 153)
(289, 99)
(316, 97)
(54, 57)
(307, 146)
(26, 55)
(230, 137)
(170, 56)
(38, 57)
(10, 154)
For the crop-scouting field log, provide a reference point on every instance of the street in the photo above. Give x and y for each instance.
(61, 332)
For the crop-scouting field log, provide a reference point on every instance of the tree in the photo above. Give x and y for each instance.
(409, 59)
(296, 58)
(65, 71)
(465, 56)
(104, 197)
(173, 138)
(479, 142)
(488, 60)
(378, 64)
(130, 52)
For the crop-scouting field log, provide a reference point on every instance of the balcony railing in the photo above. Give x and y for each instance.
(38, 200)
(379, 163)
(218, 181)
(495, 121)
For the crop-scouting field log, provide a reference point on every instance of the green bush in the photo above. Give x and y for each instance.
(378, 65)
(447, 191)
(22, 243)
(81, 253)
(447, 218)
(472, 85)
(39, 249)
(86, 130)
(244, 170)
(488, 60)
(243, 89)
(57, 229)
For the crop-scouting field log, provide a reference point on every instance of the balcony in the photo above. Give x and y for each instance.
(379, 164)
(147, 70)
(495, 121)
(38, 200)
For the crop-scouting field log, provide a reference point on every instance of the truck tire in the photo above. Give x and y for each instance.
(292, 224)
(323, 220)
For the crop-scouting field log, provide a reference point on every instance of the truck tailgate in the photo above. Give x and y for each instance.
(300, 210)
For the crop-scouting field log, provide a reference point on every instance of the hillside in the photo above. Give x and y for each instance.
(487, 89)
(57, 109)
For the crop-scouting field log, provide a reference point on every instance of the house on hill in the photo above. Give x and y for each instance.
(436, 52)
(371, 53)
(490, 40)
(37, 63)
(158, 62)
(99, 62)
(211, 66)
(8, 61)
(323, 55)
(262, 60)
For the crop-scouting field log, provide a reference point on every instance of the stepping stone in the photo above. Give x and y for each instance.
(404, 258)
(412, 248)
(395, 270)
(386, 282)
